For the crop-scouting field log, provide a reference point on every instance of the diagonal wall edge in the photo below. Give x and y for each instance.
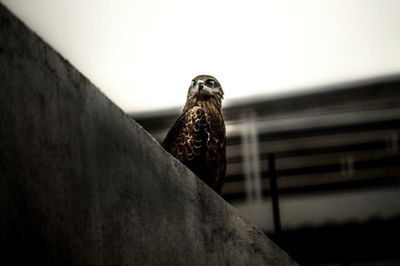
(83, 184)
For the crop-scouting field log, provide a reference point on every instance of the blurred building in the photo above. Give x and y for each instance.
(337, 161)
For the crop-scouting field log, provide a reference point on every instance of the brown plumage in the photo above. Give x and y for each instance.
(197, 138)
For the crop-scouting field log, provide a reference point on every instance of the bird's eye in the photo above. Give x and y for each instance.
(193, 83)
(210, 83)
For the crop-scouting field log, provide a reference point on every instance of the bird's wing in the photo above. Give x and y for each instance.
(174, 137)
(188, 137)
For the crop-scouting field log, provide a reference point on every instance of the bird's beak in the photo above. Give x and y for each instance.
(200, 86)
(203, 90)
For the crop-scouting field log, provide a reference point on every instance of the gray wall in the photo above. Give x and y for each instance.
(83, 184)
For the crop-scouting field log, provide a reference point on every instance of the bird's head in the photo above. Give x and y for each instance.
(205, 88)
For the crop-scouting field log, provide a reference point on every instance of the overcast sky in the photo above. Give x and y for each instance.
(143, 54)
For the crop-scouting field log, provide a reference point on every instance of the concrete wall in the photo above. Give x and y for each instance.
(83, 184)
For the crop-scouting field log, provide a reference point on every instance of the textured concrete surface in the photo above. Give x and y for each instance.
(83, 184)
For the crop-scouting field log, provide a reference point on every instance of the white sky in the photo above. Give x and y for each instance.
(143, 54)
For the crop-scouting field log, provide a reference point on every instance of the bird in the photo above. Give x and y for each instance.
(198, 137)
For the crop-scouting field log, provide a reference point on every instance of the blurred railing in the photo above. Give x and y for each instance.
(328, 151)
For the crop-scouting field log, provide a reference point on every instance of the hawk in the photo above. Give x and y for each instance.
(197, 138)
